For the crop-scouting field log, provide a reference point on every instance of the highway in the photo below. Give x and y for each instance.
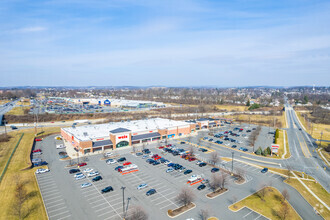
(6, 108)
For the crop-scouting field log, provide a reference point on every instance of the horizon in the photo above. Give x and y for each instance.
(171, 44)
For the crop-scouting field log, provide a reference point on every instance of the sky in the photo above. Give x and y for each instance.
(223, 43)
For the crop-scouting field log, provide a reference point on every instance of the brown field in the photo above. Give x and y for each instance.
(20, 161)
(315, 129)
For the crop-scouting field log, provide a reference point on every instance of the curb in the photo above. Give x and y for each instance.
(182, 212)
(216, 195)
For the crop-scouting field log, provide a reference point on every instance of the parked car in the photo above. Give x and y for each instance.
(60, 146)
(107, 189)
(144, 156)
(38, 139)
(127, 163)
(80, 177)
(118, 168)
(204, 150)
(110, 161)
(187, 172)
(85, 185)
(155, 162)
(191, 159)
(151, 192)
(122, 159)
(108, 154)
(37, 153)
(74, 171)
(93, 174)
(82, 164)
(142, 186)
(264, 170)
(39, 171)
(36, 150)
(169, 170)
(87, 170)
(202, 164)
(97, 178)
(234, 146)
(139, 154)
(78, 174)
(213, 170)
(200, 187)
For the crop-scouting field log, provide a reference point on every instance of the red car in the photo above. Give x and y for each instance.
(126, 163)
(157, 158)
(155, 155)
(36, 150)
(82, 164)
(38, 139)
(161, 147)
(192, 159)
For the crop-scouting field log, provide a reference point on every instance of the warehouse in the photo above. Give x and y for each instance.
(94, 138)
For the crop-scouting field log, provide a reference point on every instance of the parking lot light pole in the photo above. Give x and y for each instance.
(232, 162)
(123, 188)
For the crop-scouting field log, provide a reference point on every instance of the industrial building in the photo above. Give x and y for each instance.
(93, 138)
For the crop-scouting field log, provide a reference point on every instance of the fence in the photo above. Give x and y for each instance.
(12, 154)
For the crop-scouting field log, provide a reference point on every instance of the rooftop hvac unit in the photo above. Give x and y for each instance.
(85, 134)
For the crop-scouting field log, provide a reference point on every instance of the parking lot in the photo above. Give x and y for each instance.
(64, 197)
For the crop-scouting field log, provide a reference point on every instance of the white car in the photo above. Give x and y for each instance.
(80, 177)
(169, 170)
(95, 173)
(198, 162)
(227, 144)
(78, 174)
(150, 155)
(108, 154)
(111, 161)
(36, 153)
(85, 185)
(167, 162)
(42, 171)
(87, 170)
(142, 186)
(60, 146)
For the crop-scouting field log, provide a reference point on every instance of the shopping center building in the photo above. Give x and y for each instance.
(93, 138)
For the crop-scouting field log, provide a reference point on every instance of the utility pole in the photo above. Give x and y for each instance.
(232, 162)
(4, 122)
(123, 188)
(321, 138)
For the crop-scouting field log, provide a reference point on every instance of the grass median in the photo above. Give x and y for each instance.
(34, 208)
(18, 110)
(268, 202)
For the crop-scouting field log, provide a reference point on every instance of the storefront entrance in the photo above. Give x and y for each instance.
(122, 144)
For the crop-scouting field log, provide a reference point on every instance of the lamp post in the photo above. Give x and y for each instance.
(232, 162)
(123, 188)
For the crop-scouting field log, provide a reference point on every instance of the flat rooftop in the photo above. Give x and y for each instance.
(90, 132)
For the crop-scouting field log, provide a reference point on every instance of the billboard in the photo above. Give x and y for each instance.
(275, 148)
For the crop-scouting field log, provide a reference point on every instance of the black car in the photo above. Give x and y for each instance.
(119, 167)
(204, 150)
(139, 154)
(155, 162)
(122, 159)
(150, 192)
(107, 189)
(146, 151)
(264, 170)
(187, 172)
(97, 178)
(234, 146)
(182, 142)
(200, 187)
(74, 171)
(211, 139)
(202, 164)
(213, 170)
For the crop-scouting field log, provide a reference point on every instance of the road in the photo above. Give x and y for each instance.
(6, 108)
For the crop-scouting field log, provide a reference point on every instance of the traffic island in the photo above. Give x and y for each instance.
(179, 211)
(216, 193)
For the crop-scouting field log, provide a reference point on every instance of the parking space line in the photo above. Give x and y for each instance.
(164, 190)
(90, 194)
(52, 190)
(247, 214)
(98, 210)
(94, 198)
(97, 205)
(51, 194)
(57, 209)
(64, 217)
(53, 202)
(106, 213)
(62, 203)
(52, 198)
(58, 214)
(166, 206)
(46, 181)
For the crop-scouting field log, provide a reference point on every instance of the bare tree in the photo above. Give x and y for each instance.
(185, 197)
(215, 182)
(288, 170)
(20, 197)
(137, 213)
(203, 214)
(223, 180)
(214, 157)
(284, 211)
(240, 172)
(134, 148)
(143, 146)
(285, 195)
(191, 150)
(262, 192)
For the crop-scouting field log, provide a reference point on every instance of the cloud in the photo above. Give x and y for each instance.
(31, 29)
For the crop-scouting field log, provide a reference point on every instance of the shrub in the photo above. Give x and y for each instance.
(258, 151)
(254, 106)
(267, 151)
